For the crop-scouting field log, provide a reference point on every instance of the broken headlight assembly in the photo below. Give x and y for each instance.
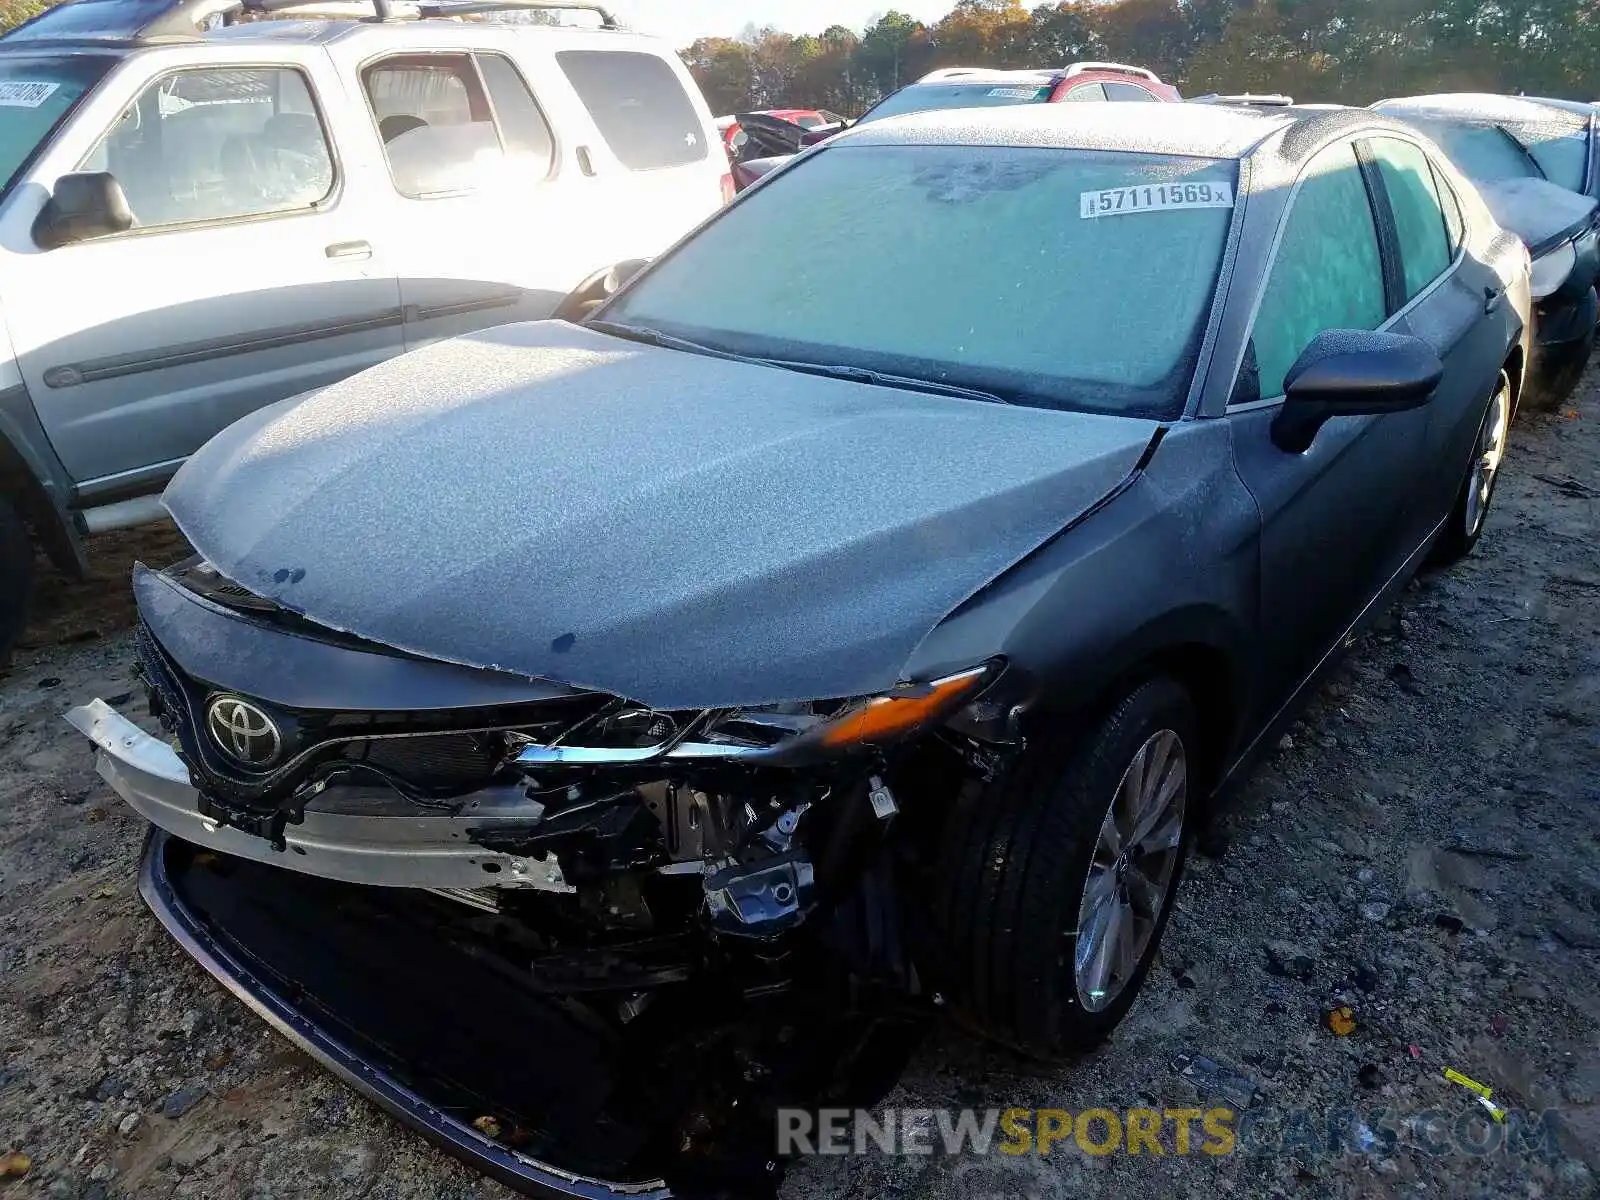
(780, 735)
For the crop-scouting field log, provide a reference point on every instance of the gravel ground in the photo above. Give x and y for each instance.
(1422, 848)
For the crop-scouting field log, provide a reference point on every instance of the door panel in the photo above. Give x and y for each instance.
(490, 233)
(224, 297)
(1333, 517)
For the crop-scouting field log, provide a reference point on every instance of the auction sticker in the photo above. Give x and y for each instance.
(1154, 197)
(23, 93)
(1016, 93)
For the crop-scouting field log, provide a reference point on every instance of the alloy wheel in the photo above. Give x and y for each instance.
(1491, 450)
(1135, 858)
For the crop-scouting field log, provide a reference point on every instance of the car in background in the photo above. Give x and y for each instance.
(806, 120)
(297, 200)
(817, 651)
(1534, 162)
(975, 87)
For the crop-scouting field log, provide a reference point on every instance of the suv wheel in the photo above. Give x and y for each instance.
(1062, 874)
(16, 577)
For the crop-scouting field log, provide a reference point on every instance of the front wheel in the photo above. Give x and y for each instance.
(1062, 874)
(1465, 524)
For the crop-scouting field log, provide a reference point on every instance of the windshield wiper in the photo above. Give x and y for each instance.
(907, 383)
(666, 341)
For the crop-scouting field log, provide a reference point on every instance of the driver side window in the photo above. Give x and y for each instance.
(218, 144)
(1328, 273)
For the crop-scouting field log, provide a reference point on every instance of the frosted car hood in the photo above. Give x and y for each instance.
(1536, 210)
(681, 530)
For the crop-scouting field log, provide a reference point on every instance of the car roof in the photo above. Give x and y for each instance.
(1206, 131)
(1485, 107)
(1277, 140)
(324, 32)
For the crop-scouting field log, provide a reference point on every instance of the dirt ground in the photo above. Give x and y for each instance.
(1423, 848)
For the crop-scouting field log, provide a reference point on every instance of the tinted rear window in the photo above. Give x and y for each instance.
(928, 96)
(640, 108)
(1061, 278)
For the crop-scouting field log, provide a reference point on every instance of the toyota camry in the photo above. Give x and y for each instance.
(544, 707)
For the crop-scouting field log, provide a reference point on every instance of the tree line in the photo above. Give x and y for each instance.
(1343, 51)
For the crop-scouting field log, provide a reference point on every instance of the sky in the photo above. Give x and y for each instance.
(685, 20)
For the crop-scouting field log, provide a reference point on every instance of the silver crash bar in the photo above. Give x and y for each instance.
(354, 835)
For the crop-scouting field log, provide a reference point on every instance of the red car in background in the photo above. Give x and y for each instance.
(765, 140)
(734, 137)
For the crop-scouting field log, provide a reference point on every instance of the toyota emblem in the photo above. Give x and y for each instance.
(243, 732)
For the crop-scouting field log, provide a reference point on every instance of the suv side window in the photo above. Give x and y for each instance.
(1086, 92)
(1127, 91)
(1418, 217)
(1328, 273)
(522, 122)
(435, 122)
(219, 144)
(638, 105)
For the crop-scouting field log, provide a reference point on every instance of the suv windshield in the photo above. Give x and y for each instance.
(923, 97)
(1058, 278)
(36, 93)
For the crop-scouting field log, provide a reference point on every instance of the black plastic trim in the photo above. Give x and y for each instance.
(119, 365)
(515, 1171)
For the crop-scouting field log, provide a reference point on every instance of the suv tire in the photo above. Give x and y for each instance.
(1018, 858)
(16, 577)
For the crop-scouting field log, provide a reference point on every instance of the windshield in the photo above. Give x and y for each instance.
(1484, 153)
(1559, 146)
(923, 97)
(36, 93)
(1058, 278)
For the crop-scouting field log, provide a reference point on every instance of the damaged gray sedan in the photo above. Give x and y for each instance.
(584, 738)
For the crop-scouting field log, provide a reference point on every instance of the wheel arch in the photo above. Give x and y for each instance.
(41, 508)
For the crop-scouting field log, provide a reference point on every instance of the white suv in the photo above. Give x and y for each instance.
(205, 213)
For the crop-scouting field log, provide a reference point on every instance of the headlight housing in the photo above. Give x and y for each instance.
(775, 735)
(1550, 270)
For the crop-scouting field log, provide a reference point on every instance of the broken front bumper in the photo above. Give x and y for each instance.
(353, 835)
(257, 983)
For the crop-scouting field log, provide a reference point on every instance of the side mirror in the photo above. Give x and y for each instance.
(1349, 373)
(597, 289)
(82, 206)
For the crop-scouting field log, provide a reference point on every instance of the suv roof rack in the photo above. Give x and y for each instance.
(149, 21)
(1141, 72)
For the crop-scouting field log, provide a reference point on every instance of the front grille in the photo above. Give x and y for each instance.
(423, 755)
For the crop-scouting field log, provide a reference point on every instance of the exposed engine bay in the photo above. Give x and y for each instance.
(716, 870)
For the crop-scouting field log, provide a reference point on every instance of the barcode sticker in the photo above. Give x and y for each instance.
(1154, 197)
(1015, 93)
(23, 93)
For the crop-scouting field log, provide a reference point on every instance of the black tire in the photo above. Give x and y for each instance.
(1466, 522)
(1016, 857)
(16, 578)
(1557, 372)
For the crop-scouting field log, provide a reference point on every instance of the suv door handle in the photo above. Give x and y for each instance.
(353, 250)
(1492, 298)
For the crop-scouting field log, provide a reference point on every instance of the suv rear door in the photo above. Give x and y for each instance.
(252, 272)
(654, 155)
(483, 197)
